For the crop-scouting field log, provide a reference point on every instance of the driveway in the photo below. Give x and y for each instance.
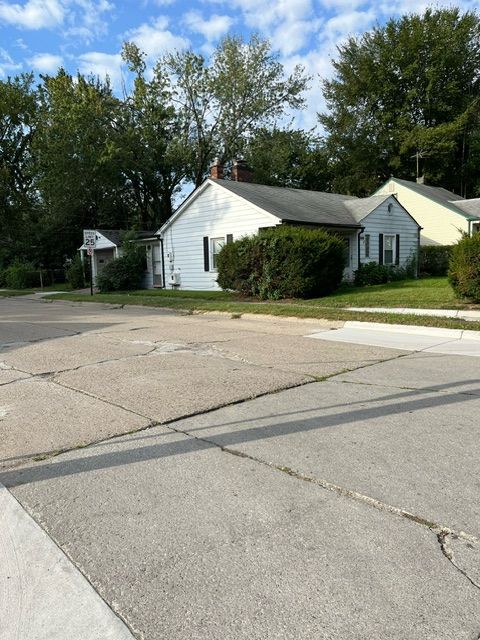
(232, 478)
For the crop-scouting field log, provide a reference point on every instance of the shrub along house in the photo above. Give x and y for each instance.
(375, 229)
(109, 247)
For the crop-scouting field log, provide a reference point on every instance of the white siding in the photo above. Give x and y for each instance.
(393, 223)
(440, 224)
(215, 213)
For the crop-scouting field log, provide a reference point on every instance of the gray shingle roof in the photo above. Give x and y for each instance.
(116, 235)
(444, 197)
(361, 207)
(470, 207)
(297, 205)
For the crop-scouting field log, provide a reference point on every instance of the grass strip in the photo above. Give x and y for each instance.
(297, 310)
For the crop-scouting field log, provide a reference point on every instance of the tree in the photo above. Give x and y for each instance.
(152, 143)
(289, 158)
(81, 186)
(242, 90)
(18, 106)
(408, 90)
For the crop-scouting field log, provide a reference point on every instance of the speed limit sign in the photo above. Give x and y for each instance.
(89, 238)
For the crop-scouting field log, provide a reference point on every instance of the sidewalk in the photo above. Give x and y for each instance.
(461, 314)
(406, 337)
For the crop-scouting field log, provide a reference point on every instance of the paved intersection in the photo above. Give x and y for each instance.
(291, 488)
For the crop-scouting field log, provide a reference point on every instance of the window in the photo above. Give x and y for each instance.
(216, 245)
(367, 245)
(388, 249)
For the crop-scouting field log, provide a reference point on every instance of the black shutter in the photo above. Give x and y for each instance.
(229, 238)
(380, 248)
(206, 254)
(397, 249)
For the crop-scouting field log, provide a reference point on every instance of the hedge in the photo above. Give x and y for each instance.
(371, 273)
(434, 260)
(464, 268)
(124, 273)
(283, 262)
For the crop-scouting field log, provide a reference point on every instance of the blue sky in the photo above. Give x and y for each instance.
(87, 35)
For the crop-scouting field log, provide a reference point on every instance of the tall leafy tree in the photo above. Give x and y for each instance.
(404, 92)
(152, 144)
(289, 158)
(225, 101)
(18, 201)
(80, 184)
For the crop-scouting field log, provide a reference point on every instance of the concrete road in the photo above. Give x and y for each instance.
(285, 488)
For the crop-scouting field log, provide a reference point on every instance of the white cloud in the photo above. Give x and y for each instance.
(7, 64)
(102, 65)
(34, 14)
(87, 19)
(155, 39)
(211, 28)
(45, 62)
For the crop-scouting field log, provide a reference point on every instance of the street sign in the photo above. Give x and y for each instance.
(90, 251)
(89, 238)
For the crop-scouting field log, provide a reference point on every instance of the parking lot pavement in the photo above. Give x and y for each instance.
(187, 541)
(340, 508)
(72, 374)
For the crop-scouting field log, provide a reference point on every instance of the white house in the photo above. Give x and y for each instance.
(109, 246)
(444, 216)
(219, 211)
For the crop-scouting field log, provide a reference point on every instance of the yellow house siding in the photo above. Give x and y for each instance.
(440, 225)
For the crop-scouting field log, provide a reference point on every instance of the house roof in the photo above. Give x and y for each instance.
(293, 205)
(116, 235)
(470, 207)
(361, 207)
(296, 205)
(442, 196)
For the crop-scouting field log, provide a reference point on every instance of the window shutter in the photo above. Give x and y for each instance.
(397, 249)
(206, 254)
(380, 248)
(229, 238)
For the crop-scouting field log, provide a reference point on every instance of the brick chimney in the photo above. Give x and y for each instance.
(241, 172)
(216, 169)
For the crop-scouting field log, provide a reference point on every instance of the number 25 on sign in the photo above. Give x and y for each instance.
(89, 238)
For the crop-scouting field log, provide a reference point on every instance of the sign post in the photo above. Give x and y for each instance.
(90, 241)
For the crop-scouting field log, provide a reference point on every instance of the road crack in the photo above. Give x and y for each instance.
(444, 537)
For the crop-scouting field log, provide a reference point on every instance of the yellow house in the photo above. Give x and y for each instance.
(444, 216)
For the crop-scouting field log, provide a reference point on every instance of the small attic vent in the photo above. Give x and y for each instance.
(390, 207)
(391, 187)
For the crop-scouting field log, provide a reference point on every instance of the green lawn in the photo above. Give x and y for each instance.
(8, 293)
(426, 293)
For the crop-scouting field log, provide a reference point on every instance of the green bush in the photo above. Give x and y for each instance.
(124, 273)
(74, 273)
(434, 259)
(18, 275)
(284, 262)
(464, 268)
(372, 273)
